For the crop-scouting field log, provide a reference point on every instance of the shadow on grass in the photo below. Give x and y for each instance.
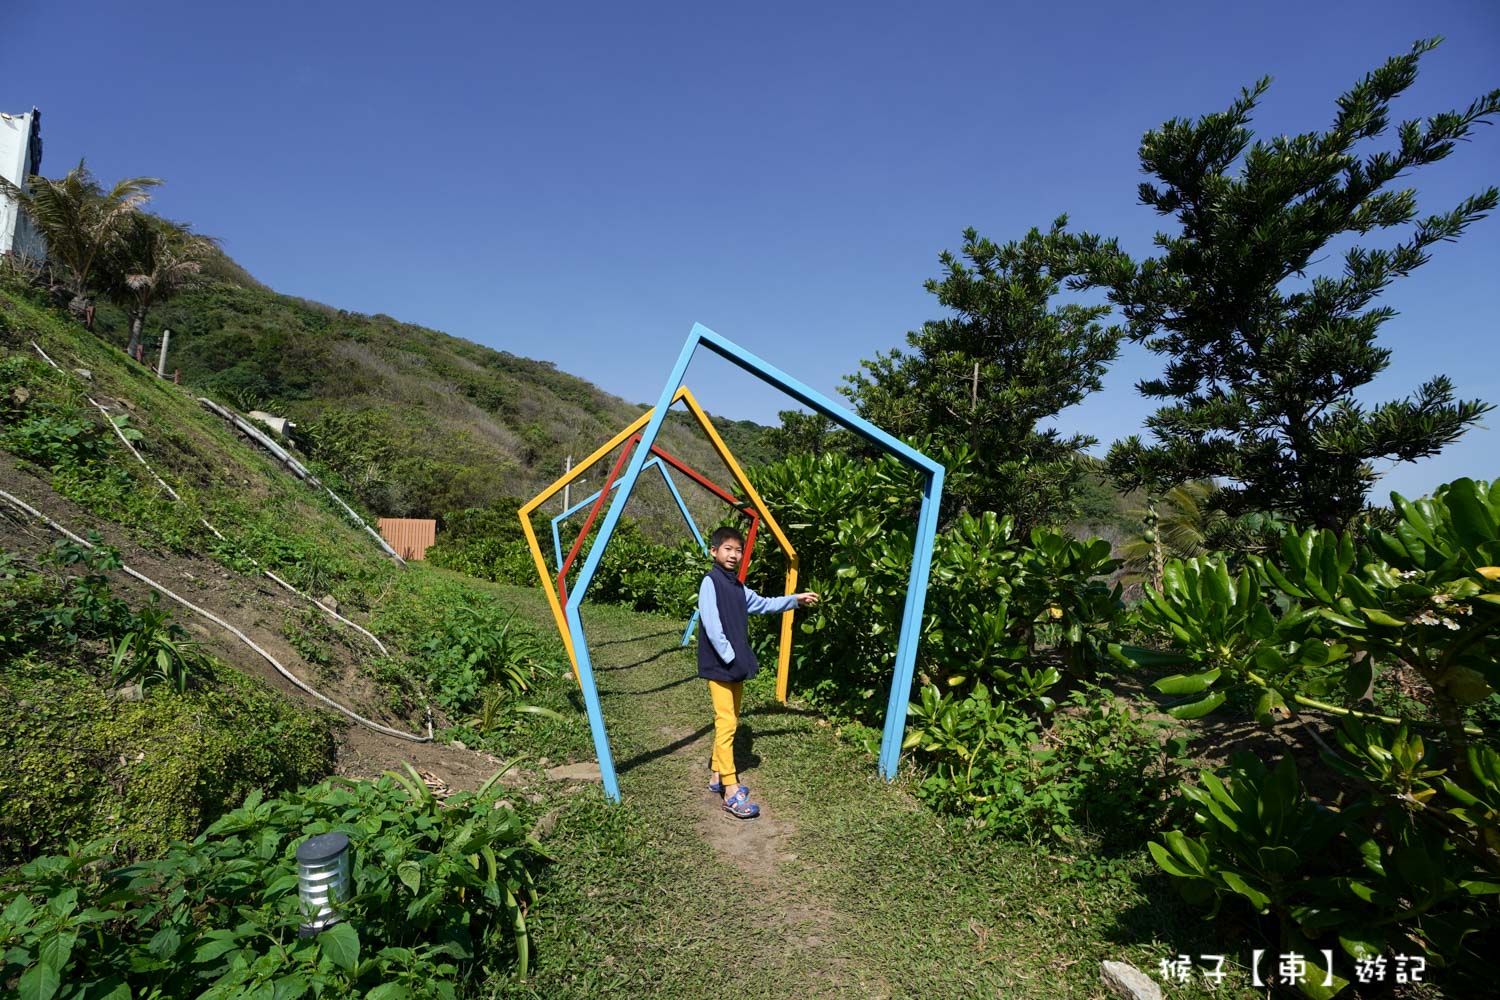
(645, 758)
(1160, 914)
(641, 662)
(635, 638)
(777, 708)
(658, 688)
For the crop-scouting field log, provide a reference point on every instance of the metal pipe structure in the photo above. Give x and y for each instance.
(547, 577)
(916, 591)
(659, 462)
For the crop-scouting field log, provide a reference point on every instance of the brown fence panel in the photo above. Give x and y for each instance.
(410, 536)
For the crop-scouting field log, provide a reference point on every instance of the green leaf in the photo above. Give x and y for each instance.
(1267, 705)
(164, 943)
(1169, 864)
(112, 988)
(18, 910)
(1378, 617)
(1312, 984)
(1197, 709)
(1472, 521)
(1358, 676)
(410, 874)
(341, 944)
(1347, 622)
(39, 982)
(289, 987)
(215, 947)
(1187, 683)
(388, 991)
(57, 948)
(1139, 656)
(1257, 899)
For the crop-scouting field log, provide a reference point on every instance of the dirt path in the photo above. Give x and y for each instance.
(771, 922)
(662, 724)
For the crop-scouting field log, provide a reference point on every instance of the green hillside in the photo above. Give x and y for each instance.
(418, 423)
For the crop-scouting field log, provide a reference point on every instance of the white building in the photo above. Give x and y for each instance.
(20, 158)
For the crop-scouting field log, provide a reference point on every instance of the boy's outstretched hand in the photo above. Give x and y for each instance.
(803, 600)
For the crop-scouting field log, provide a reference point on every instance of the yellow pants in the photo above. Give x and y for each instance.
(726, 699)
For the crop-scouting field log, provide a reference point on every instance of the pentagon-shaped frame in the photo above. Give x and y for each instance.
(921, 566)
(549, 587)
(661, 460)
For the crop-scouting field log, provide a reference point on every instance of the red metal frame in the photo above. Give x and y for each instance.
(744, 507)
(562, 574)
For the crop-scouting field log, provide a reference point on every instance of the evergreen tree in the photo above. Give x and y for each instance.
(1264, 362)
(803, 433)
(988, 376)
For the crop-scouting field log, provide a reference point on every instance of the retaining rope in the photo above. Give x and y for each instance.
(204, 521)
(26, 508)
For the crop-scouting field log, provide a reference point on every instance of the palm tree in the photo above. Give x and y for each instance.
(79, 220)
(149, 261)
(1176, 527)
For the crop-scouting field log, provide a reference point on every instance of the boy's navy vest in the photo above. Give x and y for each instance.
(735, 619)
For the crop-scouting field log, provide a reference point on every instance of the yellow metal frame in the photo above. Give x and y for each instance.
(784, 654)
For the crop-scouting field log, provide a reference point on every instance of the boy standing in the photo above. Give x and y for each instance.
(725, 658)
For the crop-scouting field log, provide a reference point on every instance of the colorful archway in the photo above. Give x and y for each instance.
(916, 590)
(637, 463)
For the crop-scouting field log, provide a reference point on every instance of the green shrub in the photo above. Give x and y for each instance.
(998, 606)
(439, 888)
(53, 440)
(485, 542)
(80, 763)
(477, 647)
(72, 608)
(1097, 770)
(648, 576)
(155, 650)
(1410, 856)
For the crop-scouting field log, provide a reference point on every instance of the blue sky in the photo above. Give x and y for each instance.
(561, 180)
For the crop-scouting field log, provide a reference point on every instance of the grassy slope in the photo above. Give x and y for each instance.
(493, 422)
(845, 887)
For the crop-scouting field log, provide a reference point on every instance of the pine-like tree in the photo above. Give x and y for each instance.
(1264, 362)
(989, 375)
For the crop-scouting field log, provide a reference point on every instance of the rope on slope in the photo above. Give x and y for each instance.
(297, 468)
(21, 505)
(204, 521)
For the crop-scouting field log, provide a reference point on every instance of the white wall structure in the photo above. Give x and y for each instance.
(20, 157)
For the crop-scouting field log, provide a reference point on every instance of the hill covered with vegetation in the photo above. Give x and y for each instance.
(417, 423)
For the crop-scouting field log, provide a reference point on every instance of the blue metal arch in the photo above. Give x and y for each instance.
(921, 565)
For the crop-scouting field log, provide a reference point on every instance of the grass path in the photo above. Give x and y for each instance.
(845, 886)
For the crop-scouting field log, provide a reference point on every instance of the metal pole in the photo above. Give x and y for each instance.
(567, 468)
(161, 362)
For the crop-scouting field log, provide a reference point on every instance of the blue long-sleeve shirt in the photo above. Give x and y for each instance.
(708, 611)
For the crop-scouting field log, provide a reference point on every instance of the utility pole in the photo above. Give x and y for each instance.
(161, 363)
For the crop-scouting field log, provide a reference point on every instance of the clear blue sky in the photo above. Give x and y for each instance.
(560, 180)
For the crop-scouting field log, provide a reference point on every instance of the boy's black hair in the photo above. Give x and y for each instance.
(722, 535)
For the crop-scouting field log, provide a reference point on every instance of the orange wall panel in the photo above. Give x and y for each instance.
(409, 536)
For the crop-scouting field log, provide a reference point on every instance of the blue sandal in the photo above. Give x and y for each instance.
(717, 787)
(738, 806)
